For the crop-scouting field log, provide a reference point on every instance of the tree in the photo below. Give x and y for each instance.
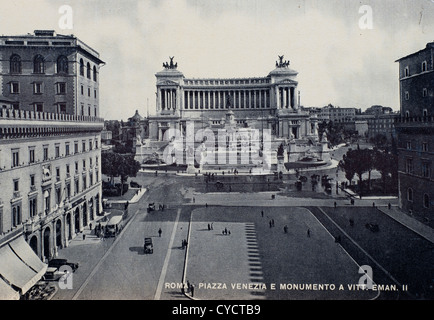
(356, 162)
(117, 165)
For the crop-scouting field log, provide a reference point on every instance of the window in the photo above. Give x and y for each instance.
(47, 202)
(67, 149)
(81, 67)
(88, 93)
(15, 64)
(425, 146)
(406, 72)
(76, 186)
(32, 155)
(426, 170)
(84, 164)
(61, 88)
(68, 190)
(37, 88)
(38, 107)
(16, 185)
(407, 114)
(38, 64)
(408, 145)
(88, 70)
(425, 112)
(16, 105)
(62, 64)
(32, 180)
(75, 147)
(424, 92)
(45, 153)
(16, 215)
(84, 183)
(76, 166)
(90, 162)
(409, 166)
(15, 87)
(61, 108)
(407, 95)
(15, 158)
(57, 151)
(88, 110)
(425, 201)
(82, 110)
(82, 90)
(90, 145)
(424, 66)
(32, 207)
(94, 73)
(58, 173)
(68, 172)
(90, 179)
(83, 146)
(410, 194)
(58, 195)
(94, 93)
(95, 112)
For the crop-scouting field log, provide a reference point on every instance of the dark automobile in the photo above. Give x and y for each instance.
(57, 263)
(134, 184)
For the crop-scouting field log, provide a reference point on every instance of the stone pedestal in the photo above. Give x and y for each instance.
(281, 164)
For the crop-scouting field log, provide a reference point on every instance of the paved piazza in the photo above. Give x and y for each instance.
(255, 257)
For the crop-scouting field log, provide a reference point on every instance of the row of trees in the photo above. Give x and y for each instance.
(360, 161)
(335, 132)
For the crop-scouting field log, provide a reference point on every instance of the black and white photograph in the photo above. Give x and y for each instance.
(216, 150)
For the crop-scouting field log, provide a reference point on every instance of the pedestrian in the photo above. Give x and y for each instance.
(270, 224)
(212, 228)
(192, 290)
(185, 243)
(206, 205)
(373, 204)
(194, 200)
(182, 244)
(159, 232)
(84, 236)
(262, 213)
(226, 231)
(209, 227)
(90, 226)
(229, 232)
(285, 229)
(335, 204)
(389, 206)
(308, 233)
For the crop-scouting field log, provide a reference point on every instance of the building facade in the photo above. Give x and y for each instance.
(415, 133)
(269, 102)
(50, 140)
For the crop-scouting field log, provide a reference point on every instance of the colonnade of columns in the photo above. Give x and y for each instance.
(285, 98)
(221, 99)
(167, 99)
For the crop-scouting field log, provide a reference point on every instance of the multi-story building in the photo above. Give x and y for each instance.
(50, 143)
(415, 132)
(338, 114)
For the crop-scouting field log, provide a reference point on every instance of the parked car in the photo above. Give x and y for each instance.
(57, 263)
(134, 184)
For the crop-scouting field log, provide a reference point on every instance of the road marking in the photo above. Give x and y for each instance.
(166, 260)
(118, 237)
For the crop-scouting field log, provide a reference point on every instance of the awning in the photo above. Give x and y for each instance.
(7, 293)
(20, 266)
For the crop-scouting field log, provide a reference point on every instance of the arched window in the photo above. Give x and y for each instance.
(94, 73)
(425, 201)
(15, 64)
(88, 70)
(81, 67)
(38, 64)
(62, 64)
(410, 194)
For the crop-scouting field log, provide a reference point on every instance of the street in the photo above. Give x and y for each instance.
(246, 262)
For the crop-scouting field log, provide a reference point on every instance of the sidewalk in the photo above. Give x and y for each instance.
(411, 223)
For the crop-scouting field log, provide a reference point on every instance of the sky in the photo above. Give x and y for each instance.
(344, 54)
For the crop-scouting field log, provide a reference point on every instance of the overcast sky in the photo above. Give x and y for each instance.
(338, 62)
